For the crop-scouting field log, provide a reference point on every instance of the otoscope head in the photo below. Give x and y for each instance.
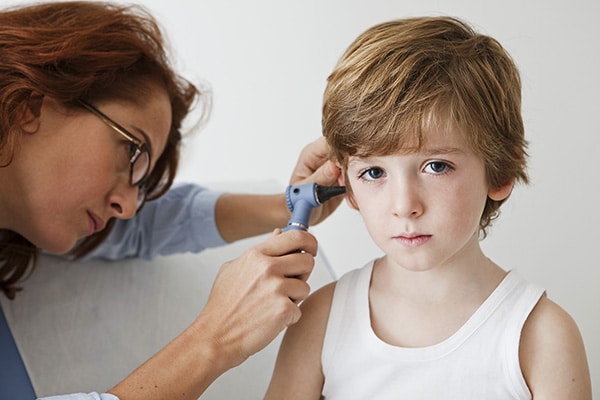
(324, 193)
(301, 199)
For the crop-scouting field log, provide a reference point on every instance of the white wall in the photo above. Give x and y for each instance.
(267, 62)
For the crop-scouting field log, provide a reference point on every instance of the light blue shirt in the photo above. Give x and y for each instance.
(183, 220)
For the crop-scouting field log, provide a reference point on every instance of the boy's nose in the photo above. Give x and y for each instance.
(407, 201)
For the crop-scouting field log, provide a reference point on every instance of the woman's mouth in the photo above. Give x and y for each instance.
(96, 223)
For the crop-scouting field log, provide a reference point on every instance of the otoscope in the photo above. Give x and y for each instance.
(301, 199)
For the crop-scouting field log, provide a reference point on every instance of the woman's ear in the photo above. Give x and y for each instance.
(30, 112)
(502, 192)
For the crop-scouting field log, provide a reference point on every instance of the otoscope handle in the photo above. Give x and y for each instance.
(300, 216)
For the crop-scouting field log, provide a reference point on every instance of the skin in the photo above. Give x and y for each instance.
(263, 213)
(253, 298)
(70, 168)
(69, 165)
(423, 209)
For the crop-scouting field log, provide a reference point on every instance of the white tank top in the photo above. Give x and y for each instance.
(479, 361)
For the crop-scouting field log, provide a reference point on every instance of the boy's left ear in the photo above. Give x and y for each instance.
(502, 192)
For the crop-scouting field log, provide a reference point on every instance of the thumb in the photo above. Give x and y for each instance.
(327, 174)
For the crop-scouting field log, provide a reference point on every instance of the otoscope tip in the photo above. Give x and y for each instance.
(324, 193)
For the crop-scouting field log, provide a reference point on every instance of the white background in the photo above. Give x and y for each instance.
(267, 61)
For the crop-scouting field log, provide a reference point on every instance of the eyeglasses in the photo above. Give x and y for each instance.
(139, 154)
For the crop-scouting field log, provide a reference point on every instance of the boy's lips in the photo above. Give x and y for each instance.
(412, 239)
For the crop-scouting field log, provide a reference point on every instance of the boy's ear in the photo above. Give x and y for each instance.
(342, 182)
(30, 112)
(502, 192)
(351, 202)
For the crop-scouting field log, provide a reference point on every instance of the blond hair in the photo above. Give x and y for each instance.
(399, 79)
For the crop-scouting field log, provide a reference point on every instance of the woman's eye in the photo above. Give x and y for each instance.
(128, 151)
(371, 174)
(437, 167)
(133, 149)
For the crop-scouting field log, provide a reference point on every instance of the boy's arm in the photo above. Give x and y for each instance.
(552, 355)
(298, 371)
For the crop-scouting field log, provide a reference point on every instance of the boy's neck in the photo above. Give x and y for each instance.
(422, 308)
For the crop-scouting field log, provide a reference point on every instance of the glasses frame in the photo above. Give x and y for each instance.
(140, 146)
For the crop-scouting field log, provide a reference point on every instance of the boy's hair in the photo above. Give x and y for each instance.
(401, 78)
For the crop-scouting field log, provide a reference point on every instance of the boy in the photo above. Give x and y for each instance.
(423, 117)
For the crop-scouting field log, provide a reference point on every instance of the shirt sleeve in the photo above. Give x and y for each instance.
(182, 220)
(82, 396)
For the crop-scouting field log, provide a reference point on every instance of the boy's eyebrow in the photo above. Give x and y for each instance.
(440, 150)
(424, 151)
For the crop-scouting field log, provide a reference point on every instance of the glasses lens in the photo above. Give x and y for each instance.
(141, 196)
(139, 168)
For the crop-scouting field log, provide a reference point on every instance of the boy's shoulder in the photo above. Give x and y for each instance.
(552, 353)
(320, 300)
(547, 322)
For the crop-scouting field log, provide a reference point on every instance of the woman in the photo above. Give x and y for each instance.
(90, 128)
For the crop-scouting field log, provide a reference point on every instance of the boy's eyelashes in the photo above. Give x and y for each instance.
(371, 173)
(434, 167)
(437, 167)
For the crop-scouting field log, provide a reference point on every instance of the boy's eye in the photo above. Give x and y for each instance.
(437, 167)
(371, 174)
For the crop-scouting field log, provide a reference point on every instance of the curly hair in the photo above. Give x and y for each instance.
(84, 50)
(401, 78)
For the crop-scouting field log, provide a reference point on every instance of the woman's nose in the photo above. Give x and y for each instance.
(124, 202)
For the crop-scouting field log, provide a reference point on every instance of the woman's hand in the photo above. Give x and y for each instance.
(255, 296)
(239, 216)
(314, 166)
